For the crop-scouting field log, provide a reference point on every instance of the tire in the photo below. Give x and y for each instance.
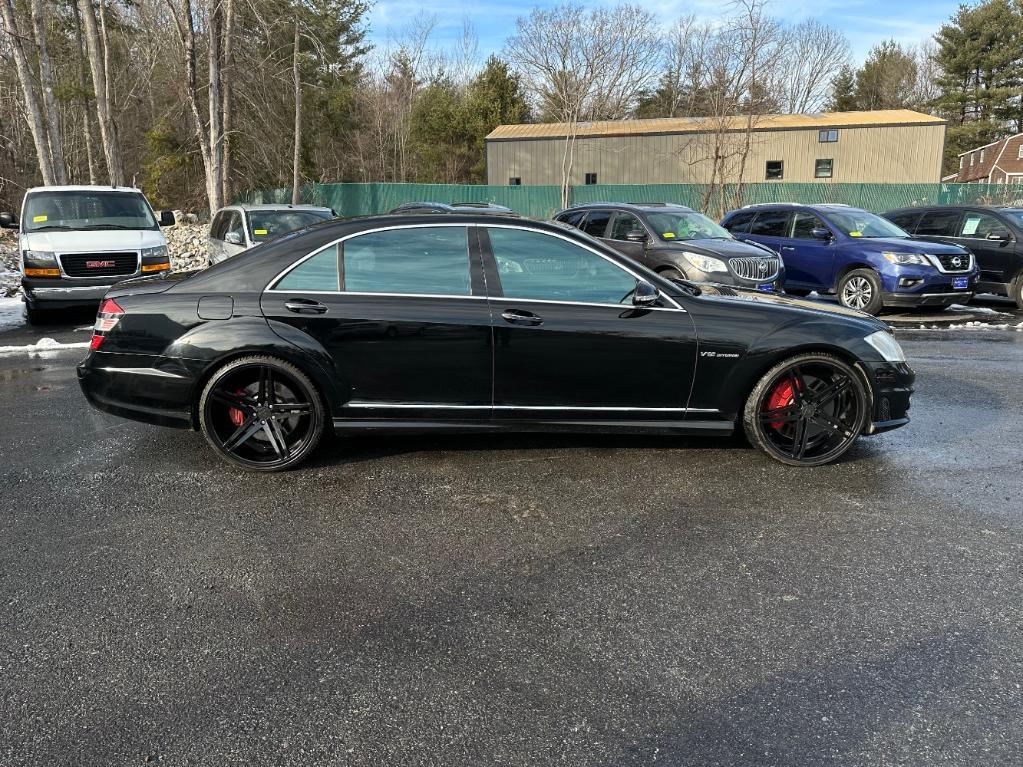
(671, 273)
(798, 292)
(801, 429)
(1016, 289)
(262, 413)
(861, 289)
(36, 317)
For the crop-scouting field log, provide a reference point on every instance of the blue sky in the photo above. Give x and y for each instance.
(865, 22)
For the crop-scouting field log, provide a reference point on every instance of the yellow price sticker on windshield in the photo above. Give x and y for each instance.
(38, 219)
(855, 234)
(668, 235)
(259, 231)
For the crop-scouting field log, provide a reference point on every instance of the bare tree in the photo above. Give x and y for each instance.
(83, 91)
(51, 113)
(814, 54)
(99, 65)
(297, 73)
(584, 65)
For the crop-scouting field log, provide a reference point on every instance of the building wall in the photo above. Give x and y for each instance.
(876, 154)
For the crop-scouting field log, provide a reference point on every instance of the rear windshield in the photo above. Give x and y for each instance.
(86, 211)
(268, 224)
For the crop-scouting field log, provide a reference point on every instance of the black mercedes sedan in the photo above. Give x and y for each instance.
(679, 243)
(467, 323)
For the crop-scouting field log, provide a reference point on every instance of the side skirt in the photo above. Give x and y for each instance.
(396, 426)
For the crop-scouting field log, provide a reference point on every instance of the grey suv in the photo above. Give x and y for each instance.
(679, 243)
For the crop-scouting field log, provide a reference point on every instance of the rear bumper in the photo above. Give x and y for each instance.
(148, 389)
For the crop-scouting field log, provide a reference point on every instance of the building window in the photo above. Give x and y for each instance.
(774, 170)
(971, 159)
(829, 136)
(823, 168)
(982, 155)
(1019, 153)
(515, 181)
(591, 179)
(961, 159)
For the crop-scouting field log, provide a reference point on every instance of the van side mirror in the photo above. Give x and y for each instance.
(233, 238)
(645, 294)
(820, 233)
(167, 218)
(8, 221)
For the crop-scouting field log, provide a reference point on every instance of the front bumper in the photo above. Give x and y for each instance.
(911, 300)
(891, 387)
(720, 278)
(67, 292)
(913, 285)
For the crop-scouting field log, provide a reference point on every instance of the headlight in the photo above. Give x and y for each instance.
(160, 251)
(39, 257)
(705, 263)
(886, 346)
(905, 258)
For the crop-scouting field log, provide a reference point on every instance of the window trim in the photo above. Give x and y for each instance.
(586, 178)
(780, 177)
(675, 306)
(831, 167)
(824, 136)
(614, 220)
(514, 180)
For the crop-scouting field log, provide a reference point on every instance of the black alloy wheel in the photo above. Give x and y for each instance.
(807, 410)
(261, 413)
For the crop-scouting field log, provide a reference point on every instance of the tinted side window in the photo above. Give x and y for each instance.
(771, 223)
(905, 220)
(624, 223)
(982, 225)
(217, 227)
(543, 267)
(939, 223)
(572, 219)
(740, 221)
(316, 273)
(429, 260)
(803, 225)
(596, 223)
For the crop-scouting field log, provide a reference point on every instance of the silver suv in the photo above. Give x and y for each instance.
(236, 228)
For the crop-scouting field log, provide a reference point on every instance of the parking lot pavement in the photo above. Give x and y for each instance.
(515, 600)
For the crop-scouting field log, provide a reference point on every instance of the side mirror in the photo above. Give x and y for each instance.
(636, 235)
(233, 238)
(167, 218)
(820, 233)
(645, 294)
(8, 221)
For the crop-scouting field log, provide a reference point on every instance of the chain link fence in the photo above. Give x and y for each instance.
(545, 201)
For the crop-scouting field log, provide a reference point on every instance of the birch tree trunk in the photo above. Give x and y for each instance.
(226, 73)
(82, 87)
(33, 112)
(295, 190)
(214, 178)
(51, 114)
(101, 88)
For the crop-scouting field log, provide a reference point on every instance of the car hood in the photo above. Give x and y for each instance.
(93, 240)
(729, 293)
(910, 245)
(726, 248)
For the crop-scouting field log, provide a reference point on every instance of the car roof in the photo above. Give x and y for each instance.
(271, 206)
(488, 206)
(836, 207)
(84, 188)
(632, 206)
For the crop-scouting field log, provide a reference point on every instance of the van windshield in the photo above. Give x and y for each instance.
(86, 210)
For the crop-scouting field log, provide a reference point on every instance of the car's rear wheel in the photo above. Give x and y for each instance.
(807, 410)
(262, 413)
(1016, 290)
(861, 289)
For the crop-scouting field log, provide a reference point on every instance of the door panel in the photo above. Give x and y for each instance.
(809, 262)
(569, 342)
(409, 331)
(995, 257)
(623, 224)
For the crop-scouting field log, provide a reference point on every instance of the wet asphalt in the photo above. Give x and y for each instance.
(508, 600)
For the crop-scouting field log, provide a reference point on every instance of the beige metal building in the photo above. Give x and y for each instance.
(890, 146)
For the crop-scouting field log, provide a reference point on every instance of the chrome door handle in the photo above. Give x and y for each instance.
(304, 306)
(787, 247)
(521, 317)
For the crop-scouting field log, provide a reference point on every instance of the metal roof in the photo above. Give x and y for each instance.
(710, 124)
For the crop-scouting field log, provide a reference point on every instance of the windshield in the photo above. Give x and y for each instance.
(859, 223)
(86, 210)
(686, 226)
(268, 224)
(1015, 215)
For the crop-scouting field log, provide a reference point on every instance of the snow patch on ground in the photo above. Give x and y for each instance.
(974, 309)
(976, 325)
(12, 313)
(42, 345)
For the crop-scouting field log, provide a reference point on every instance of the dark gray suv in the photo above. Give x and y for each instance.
(679, 243)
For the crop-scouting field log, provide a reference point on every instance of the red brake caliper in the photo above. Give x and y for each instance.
(781, 396)
(237, 416)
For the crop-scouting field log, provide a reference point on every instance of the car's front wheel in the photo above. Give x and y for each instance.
(1016, 290)
(861, 289)
(807, 410)
(262, 413)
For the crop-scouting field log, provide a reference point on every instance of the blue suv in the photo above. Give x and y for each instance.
(866, 260)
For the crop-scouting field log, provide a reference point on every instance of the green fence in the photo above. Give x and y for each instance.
(544, 201)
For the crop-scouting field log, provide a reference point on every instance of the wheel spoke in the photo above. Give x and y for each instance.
(785, 414)
(242, 434)
(292, 408)
(828, 393)
(232, 399)
(797, 382)
(266, 385)
(799, 440)
(275, 436)
(832, 423)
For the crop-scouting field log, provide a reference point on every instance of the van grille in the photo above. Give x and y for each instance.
(761, 269)
(99, 264)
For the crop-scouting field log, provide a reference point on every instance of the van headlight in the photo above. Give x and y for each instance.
(886, 346)
(39, 257)
(160, 251)
(705, 263)
(903, 259)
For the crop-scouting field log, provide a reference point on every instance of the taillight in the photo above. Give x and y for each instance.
(108, 316)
